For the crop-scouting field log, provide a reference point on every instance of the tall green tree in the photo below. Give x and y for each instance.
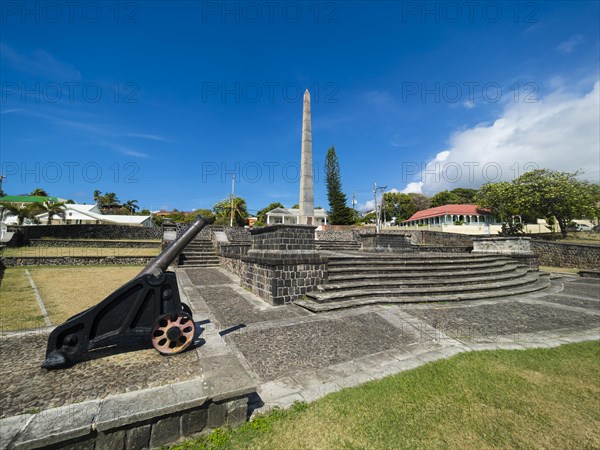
(261, 215)
(444, 198)
(222, 210)
(398, 205)
(557, 196)
(421, 201)
(131, 206)
(52, 209)
(340, 213)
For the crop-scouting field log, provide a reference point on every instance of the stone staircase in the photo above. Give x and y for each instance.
(199, 253)
(387, 278)
(337, 246)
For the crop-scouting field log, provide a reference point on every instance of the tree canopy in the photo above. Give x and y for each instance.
(458, 196)
(222, 210)
(261, 215)
(340, 213)
(553, 195)
(398, 205)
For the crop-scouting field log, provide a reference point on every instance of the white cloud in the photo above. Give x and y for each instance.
(469, 104)
(569, 45)
(560, 132)
(39, 63)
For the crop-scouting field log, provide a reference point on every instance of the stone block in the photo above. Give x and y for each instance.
(58, 425)
(217, 414)
(138, 438)
(165, 431)
(237, 411)
(114, 440)
(194, 421)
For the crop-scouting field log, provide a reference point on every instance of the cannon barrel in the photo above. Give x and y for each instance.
(147, 309)
(168, 255)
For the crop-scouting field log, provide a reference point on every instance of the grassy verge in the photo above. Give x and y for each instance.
(542, 398)
(18, 306)
(67, 291)
(568, 270)
(44, 252)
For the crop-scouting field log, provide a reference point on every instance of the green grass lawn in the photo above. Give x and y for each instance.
(65, 291)
(45, 252)
(18, 306)
(542, 398)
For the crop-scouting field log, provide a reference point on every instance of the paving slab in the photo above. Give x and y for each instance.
(26, 387)
(277, 351)
(585, 288)
(206, 276)
(231, 309)
(513, 319)
(573, 301)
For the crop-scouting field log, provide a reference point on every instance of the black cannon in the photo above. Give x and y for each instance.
(147, 309)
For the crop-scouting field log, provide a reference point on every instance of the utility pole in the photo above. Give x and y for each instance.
(382, 188)
(354, 201)
(376, 209)
(232, 197)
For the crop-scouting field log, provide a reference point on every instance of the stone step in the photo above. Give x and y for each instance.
(382, 258)
(540, 283)
(422, 291)
(347, 276)
(360, 269)
(424, 282)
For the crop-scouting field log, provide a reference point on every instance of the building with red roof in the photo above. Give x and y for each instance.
(449, 215)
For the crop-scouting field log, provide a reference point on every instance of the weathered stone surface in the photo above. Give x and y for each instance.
(502, 245)
(488, 323)
(277, 351)
(237, 411)
(58, 425)
(11, 426)
(573, 301)
(217, 413)
(194, 421)
(138, 437)
(165, 431)
(113, 440)
(31, 387)
(566, 254)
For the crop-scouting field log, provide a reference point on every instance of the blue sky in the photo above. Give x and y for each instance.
(162, 101)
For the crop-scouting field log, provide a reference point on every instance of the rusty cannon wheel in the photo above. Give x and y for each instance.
(173, 333)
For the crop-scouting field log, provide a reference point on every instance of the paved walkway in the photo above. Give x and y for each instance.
(294, 355)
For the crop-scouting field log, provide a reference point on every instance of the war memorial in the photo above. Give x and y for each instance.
(228, 323)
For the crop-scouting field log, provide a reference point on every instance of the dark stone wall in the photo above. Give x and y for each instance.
(116, 232)
(74, 261)
(284, 238)
(95, 244)
(386, 243)
(564, 254)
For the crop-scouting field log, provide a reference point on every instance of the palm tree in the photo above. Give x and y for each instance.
(22, 213)
(97, 197)
(39, 192)
(110, 200)
(131, 205)
(52, 209)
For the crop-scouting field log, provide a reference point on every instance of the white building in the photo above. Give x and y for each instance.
(90, 214)
(290, 216)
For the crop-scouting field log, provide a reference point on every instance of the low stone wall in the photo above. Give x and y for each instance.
(148, 419)
(441, 238)
(238, 234)
(18, 261)
(111, 232)
(94, 244)
(563, 254)
(385, 242)
(334, 235)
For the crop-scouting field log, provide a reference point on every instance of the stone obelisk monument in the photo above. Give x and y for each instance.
(307, 201)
